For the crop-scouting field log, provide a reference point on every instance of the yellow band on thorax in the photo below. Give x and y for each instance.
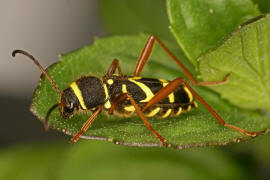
(124, 88)
(107, 104)
(78, 94)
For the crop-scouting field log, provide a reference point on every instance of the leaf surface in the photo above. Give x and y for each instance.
(200, 25)
(246, 55)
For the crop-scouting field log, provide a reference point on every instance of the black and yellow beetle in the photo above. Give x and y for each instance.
(130, 95)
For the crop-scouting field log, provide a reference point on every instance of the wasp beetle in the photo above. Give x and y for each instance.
(131, 95)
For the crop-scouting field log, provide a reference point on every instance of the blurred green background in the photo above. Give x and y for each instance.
(28, 152)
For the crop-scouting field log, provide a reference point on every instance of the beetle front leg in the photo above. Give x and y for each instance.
(86, 125)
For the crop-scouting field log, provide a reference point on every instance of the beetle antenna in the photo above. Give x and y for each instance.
(40, 67)
(46, 122)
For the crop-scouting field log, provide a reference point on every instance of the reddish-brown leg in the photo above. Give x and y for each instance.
(86, 125)
(145, 121)
(117, 100)
(111, 70)
(165, 91)
(124, 96)
(144, 56)
(146, 52)
(115, 65)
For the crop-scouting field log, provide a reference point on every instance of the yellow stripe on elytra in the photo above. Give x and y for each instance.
(78, 93)
(168, 112)
(188, 93)
(107, 105)
(153, 112)
(171, 96)
(145, 89)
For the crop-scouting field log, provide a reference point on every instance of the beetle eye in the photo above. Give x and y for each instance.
(68, 109)
(71, 105)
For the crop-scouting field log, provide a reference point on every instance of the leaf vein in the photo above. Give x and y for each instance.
(261, 63)
(244, 56)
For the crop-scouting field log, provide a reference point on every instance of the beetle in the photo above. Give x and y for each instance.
(131, 95)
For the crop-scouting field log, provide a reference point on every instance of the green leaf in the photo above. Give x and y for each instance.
(200, 25)
(134, 16)
(246, 55)
(196, 128)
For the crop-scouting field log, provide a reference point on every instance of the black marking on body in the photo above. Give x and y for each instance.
(181, 96)
(92, 91)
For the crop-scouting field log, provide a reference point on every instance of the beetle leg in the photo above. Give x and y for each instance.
(86, 125)
(115, 65)
(144, 119)
(116, 101)
(146, 52)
